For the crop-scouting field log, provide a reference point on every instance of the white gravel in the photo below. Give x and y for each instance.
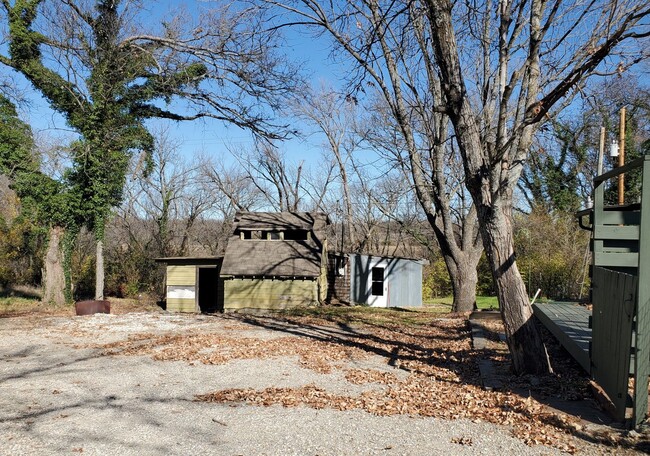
(58, 399)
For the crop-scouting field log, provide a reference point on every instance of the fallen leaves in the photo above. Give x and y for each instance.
(439, 375)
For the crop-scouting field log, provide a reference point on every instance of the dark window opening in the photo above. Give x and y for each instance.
(377, 281)
(274, 236)
(296, 235)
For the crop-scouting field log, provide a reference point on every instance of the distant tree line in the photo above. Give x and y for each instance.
(463, 133)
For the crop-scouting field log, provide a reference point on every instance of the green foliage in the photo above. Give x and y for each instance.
(436, 282)
(551, 254)
(110, 117)
(15, 141)
(485, 285)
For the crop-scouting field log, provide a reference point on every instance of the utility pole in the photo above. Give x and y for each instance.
(621, 158)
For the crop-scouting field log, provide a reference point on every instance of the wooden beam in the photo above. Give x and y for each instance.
(642, 341)
(623, 169)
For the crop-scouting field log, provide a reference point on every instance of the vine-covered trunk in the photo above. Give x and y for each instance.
(99, 271)
(54, 275)
(526, 347)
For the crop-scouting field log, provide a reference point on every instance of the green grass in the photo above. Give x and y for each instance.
(15, 305)
(482, 302)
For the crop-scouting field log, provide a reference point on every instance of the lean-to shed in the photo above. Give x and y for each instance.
(192, 284)
(376, 280)
(275, 260)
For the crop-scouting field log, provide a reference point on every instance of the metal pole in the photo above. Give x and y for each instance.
(621, 159)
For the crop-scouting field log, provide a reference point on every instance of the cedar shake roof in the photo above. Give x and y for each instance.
(280, 258)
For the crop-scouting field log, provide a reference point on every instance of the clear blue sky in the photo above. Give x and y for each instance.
(207, 135)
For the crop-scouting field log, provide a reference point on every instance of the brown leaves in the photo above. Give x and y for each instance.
(218, 349)
(440, 378)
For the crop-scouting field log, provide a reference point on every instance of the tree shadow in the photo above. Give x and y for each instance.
(392, 345)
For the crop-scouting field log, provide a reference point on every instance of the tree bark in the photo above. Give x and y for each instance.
(524, 341)
(464, 278)
(99, 271)
(54, 276)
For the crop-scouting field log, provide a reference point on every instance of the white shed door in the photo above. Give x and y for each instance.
(378, 287)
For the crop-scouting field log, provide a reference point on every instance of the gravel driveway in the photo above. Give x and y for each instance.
(60, 394)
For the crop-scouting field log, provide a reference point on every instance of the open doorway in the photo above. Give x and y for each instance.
(209, 301)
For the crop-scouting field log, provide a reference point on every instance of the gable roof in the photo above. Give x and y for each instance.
(281, 258)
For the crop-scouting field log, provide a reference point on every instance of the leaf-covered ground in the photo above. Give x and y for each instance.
(434, 368)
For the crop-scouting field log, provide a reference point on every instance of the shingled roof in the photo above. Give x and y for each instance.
(276, 258)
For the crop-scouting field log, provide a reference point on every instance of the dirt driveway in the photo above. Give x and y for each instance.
(158, 383)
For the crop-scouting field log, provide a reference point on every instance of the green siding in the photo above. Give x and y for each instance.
(181, 275)
(613, 314)
(181, 305)
(269, 294)
(642, 338)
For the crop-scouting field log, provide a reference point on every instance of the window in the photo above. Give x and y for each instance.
(296, 235)
(377, 281)
(274, 236)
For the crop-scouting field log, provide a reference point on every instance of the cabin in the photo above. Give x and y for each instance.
(279, 260)
(275, 260)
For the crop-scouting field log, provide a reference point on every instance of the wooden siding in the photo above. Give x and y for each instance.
(613, 313)
(322, 279)
(181, 275)
(181, 305)
(269, 294)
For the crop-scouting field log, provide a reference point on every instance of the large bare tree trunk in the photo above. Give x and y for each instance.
(464, 278)
(54, 276)
(99, 271)
(524, 341)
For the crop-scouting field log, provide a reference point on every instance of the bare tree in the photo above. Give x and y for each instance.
(495, 77)
(107, 66)
(334, 118)
(390, 61)
(276, 180)
(170, 196)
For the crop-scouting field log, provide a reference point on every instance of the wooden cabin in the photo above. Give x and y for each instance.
(275, 260)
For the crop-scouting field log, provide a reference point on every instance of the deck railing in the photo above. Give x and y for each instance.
(621, 292)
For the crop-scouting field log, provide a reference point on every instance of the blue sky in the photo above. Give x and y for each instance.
(206, 135)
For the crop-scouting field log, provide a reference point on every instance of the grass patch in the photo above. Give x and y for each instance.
(482, 302)
(14, 306)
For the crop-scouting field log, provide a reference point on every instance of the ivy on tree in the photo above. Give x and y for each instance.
(107, 83)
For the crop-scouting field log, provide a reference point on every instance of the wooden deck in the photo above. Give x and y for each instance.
(569, 323)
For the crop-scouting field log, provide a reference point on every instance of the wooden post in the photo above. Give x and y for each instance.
(642, 345)
(621, 158)
(601, 151)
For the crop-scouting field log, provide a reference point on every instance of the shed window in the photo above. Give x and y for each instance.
(274, 236)
(377, 281)
(296, 235)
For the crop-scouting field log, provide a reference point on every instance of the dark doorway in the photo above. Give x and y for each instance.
(209, 290)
